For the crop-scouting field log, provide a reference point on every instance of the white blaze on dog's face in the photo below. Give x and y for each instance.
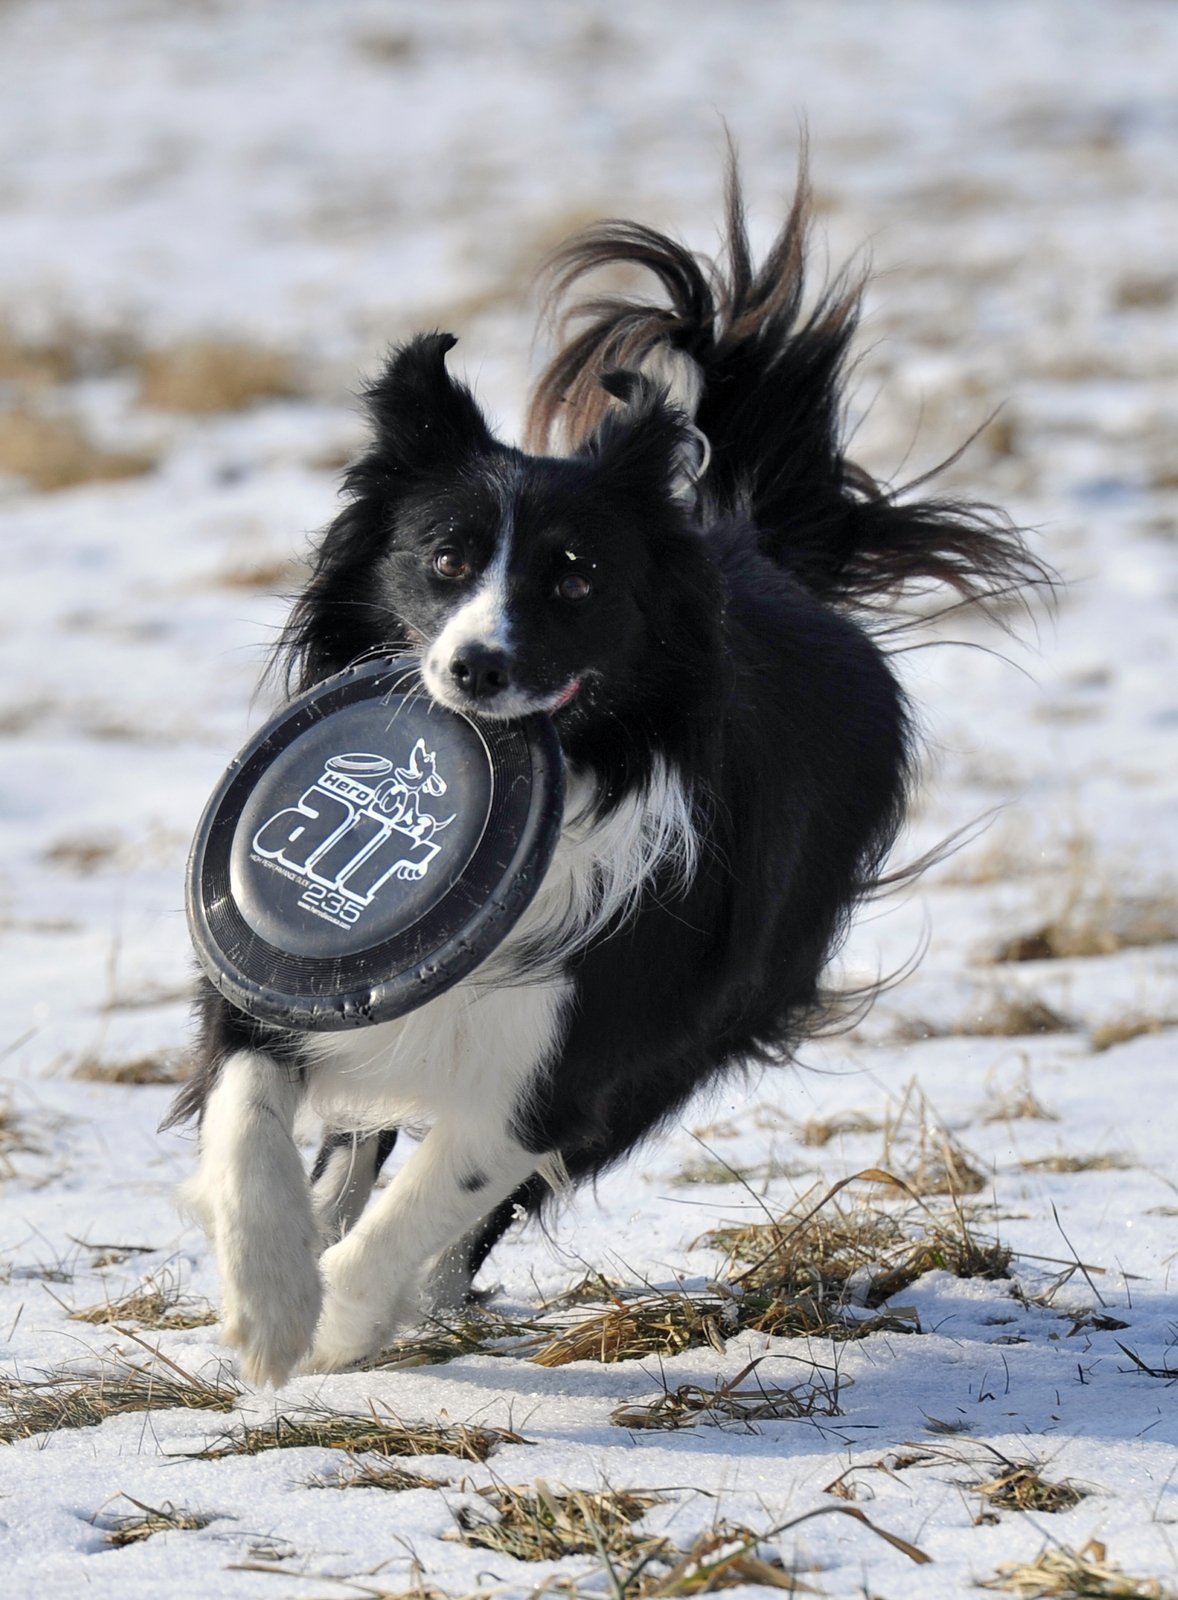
(532, 583)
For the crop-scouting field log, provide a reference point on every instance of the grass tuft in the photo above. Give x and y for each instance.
(166, 1067)
(203, 376)
(1021, 1487)
(472, 1331)
(1062, 1574)
(1098, 1161)
(146, 1521)
(360, 1434)
(65, 1400)
(15, 1139)
(51, 449)
(1122, 1029)
(728, 1403)
(375, 1472)
(542, 1524)
(157, 1304)
(820, 1131)
(1098, 928)
(808, 1275)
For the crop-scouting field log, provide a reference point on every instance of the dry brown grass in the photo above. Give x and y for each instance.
(1098, 926)
(1122, 1029)
(842, 1257)
(1063, 1574)
(83, 854)
(167, 1067)
(361, 1434)
(807, 1274)
(714, 1170)
(15, 1138)
(272, 574)
(922, 1151)
(1017, 1103)
(1007, 1015)
(134, 1527)
(473, 1331)
(820, 1131)
(157, 1304)
(375, 1472)
(1022, 1487)
(656, 1323)
(69, 1400)
(62, 354)
(52, 450)
(202, 376)
(543, 1524)
(1062, 1161)
(728, 1402)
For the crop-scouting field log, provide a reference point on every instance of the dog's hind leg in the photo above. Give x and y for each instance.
(347, 1166)
(250, 1193)
(453, 1273)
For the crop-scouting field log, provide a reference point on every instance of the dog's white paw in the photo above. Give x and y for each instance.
(272, 1332)
(353, 1325)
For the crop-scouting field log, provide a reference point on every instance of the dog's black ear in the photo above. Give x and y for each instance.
(648, 438)
(421, 415)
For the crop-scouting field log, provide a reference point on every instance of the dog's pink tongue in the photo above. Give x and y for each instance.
(567, 694)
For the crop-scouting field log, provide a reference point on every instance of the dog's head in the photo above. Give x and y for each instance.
(524, 583)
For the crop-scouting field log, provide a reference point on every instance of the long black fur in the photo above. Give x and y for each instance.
(730, 641)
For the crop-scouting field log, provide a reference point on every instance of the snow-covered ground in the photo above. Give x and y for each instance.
(316, 179)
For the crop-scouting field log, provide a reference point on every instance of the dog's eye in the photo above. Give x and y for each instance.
(574, 586)
(451, 563)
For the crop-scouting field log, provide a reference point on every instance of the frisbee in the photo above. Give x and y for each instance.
(368, 849)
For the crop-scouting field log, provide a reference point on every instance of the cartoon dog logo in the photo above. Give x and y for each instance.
(362, 822)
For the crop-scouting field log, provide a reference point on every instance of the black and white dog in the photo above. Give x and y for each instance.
(687, 586)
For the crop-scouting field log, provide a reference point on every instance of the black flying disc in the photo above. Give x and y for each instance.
(368, 849)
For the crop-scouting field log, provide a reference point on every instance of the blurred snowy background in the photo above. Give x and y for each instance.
(213, 218)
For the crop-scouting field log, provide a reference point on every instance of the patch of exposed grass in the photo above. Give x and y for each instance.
(375, 1472)
(1122, 1029)
(728, 1402)
(1017, 1102)
(803, 1275)
(1097, 1161)
(52, 450)
(1099, 927)
(166, 1067)
(1062, 1574)
(711, 1169)
(359, 1434)
(863, 1257)
(146, 1521)
(67, 1400)
(202, 376)
(658, 1323)
(821, 1130)
(542, 1524)
(474, 1331)
(84, 854)
(15, 1139)
(157, 1304)
(275, 575)
(1022, 1487)
(1007, 1016)
(922, 1151)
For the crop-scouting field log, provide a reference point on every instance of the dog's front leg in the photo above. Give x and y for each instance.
(373, 1277)
(250, 1193)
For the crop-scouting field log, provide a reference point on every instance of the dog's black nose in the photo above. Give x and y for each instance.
(480, 671)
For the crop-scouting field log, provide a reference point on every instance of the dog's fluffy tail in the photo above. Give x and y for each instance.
(760, 374)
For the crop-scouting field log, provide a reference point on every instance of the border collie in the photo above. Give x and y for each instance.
(683, 569)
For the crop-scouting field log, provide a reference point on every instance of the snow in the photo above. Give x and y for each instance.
(321, 179)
